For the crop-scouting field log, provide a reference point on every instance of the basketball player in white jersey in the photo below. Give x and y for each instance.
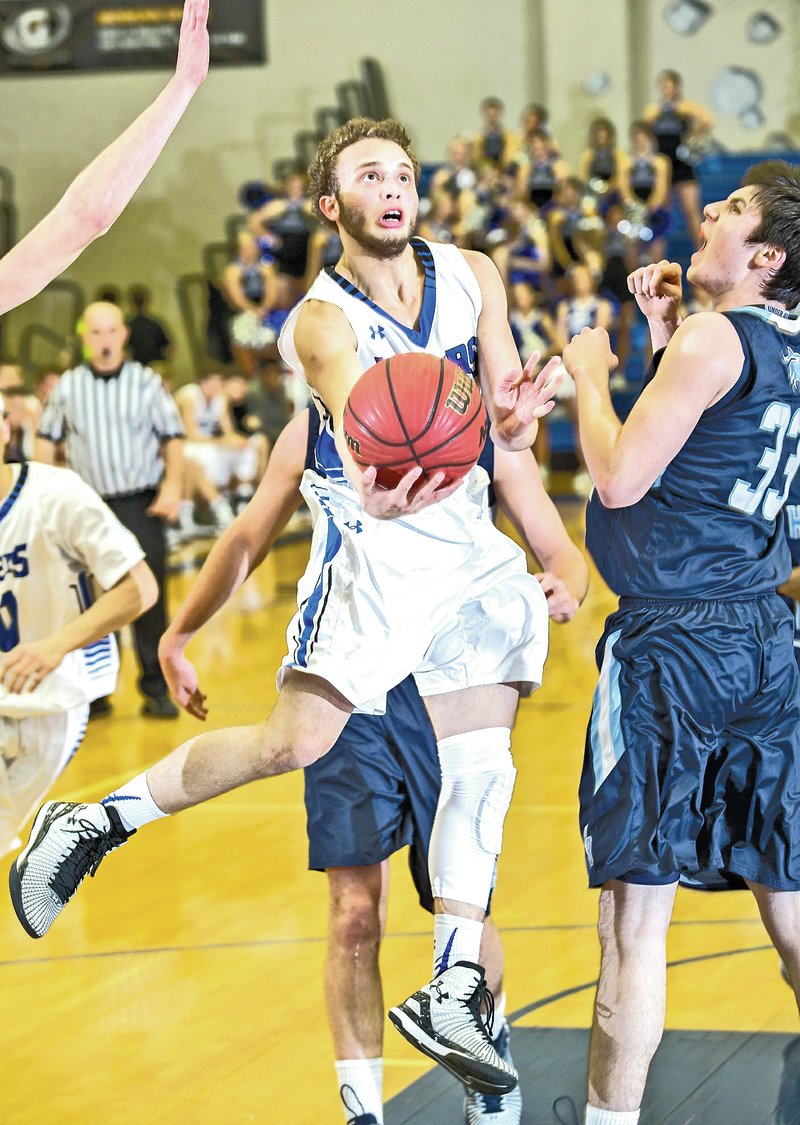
(395, 586)
(100, 193)
(56, 534)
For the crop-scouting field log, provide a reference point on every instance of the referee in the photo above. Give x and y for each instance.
(123, 436)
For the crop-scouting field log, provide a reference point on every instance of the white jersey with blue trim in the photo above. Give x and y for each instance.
(441, 593)
(447, 326)
(55, 531)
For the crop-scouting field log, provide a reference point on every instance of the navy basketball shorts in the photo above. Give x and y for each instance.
(692, 757)
(376, 791)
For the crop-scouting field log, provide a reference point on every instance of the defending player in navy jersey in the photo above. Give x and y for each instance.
(694, 742)
(56, 536)
(393, 588)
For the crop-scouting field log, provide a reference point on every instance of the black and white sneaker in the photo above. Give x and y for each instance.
(443, 1020)
(495, 1109)
(67, 843)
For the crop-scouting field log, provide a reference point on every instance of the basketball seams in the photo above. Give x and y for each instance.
(436, 400)
(481, 410)
(399, 416)
(368, 430)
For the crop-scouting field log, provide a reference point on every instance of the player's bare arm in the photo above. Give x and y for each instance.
(658, 290)
(701, 363)
(240, 549)
(326, 347)
(26, 665)
(516, 397)
(522, 496)
(99, 194)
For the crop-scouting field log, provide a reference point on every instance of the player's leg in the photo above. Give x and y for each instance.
(780, 913)
(473, 732)
(415, 746)
(353, 990)
(68, 841)
(630, 1002)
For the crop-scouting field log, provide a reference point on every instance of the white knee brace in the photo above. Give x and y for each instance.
(477, 782)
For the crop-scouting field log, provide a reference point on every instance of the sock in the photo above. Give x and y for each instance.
(361, 1087)
(134, 803)
(596, 1116)
(455, 939)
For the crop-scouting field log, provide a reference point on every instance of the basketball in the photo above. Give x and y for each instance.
(415, 409)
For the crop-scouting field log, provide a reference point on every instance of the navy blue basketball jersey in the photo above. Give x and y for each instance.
(711, 526)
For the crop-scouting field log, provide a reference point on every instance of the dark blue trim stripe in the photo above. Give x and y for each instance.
(10, 500)
(309, 621)
(420, 335)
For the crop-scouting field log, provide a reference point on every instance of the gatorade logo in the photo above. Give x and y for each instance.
(459, 397)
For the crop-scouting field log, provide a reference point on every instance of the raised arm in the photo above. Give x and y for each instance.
(522, 496)
(700, 365)
(515, 399)
(99, 194)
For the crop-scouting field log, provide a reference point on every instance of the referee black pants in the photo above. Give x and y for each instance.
(131, 511)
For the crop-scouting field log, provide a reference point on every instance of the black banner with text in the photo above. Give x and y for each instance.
(45, 37)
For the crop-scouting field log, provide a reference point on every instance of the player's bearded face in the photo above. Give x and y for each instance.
(355, 222)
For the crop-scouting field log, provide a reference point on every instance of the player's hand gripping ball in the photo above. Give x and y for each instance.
(415, 409)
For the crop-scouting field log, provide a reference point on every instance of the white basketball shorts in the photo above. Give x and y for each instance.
(33, 752)
(442, 594)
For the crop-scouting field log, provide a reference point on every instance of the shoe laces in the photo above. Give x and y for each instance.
(483, 995)
(360, 1115)
(568, 1105)
(93, 845)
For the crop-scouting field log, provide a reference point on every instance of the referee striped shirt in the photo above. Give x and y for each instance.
(113, 425)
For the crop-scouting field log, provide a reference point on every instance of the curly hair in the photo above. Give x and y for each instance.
(322, 170)
(777, 196)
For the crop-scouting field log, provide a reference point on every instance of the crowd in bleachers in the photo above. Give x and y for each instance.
(563, 238)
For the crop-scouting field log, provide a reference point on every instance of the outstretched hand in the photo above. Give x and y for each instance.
(521, 399)
(193, 44)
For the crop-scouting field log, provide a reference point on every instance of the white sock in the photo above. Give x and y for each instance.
(361, 1087)
(455, 939)
(134, 803)
(596, 1116)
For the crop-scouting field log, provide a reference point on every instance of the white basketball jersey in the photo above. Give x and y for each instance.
(447, 326)
(55, 531)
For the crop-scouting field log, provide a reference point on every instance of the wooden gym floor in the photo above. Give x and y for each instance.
(183, 984)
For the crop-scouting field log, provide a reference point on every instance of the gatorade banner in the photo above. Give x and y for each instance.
(118, 35)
